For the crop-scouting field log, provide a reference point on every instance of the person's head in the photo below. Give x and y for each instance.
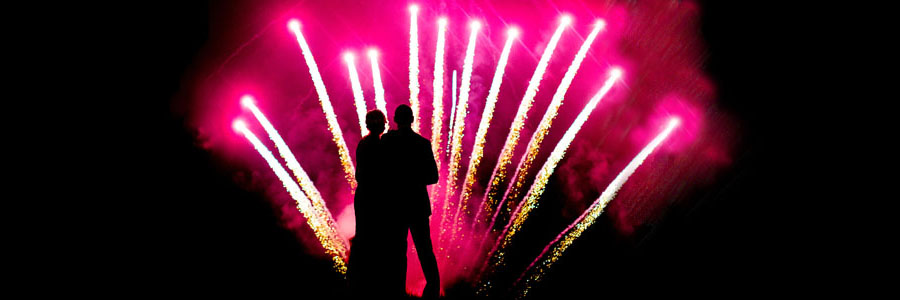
(403, 116)
(375, 121)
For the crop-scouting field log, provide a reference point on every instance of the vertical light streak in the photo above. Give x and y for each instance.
(437, 114)
(500, 171)
(303, 203)
(322, 213)
(376, 81)
(413, 65)
(486, 116)
(325, 102)
(518, 180)
(538, 267)
(540, 182)
(459, 125)
(358, 99)
(452, 109)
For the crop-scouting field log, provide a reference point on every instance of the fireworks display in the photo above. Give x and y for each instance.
(498, 178)
(498, 251)
(480, 207)
(333, 248)
(486, 116)
(325, 102)
(539, 267)
(358, 99)
(413, 65)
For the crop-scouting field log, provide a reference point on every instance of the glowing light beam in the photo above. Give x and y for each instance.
(303, 203)
(452, 109)
(376, 81)
(325, 102)
(459, 125)
(437, 114)
(500, 170)
(538, 267)
(413, 65)
(519, 177)
(498, 252)
(358, 99)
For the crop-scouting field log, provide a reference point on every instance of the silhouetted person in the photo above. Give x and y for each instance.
(410, 167)
(370, 260)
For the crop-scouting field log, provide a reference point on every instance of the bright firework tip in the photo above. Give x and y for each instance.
(373, 53)
(442, 21)
(600, 23)
(239, 125)
(348, 57)
(247, 101)
(616, 72)
(674, 122)
(414, 8)
(475, 25)
(513, 32)
(566, 20)
(294, 25)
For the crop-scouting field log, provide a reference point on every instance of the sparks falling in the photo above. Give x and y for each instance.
(333, 248)
(437, 114)
(539, 267)
(517, 183)
(498, 251)
(499, 175)
(358, 99)
(413, 65)
(486, 116)
(459, 126)
(325, 102)
(322, 214)
(452, 109)
(376, 81)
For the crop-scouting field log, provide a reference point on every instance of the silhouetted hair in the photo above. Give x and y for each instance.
(403, 115)
(375, 118)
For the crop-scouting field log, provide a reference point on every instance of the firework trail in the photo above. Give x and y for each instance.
(518, 180)
(459, 124)
(499, 175)
(486, 116)
(497, 253)
(358, 99)
(437, 115)
(413, 65)
(325, 102)
(376, 80)
(322, 213)
(452, 109)
(303, 203)
(538, 267)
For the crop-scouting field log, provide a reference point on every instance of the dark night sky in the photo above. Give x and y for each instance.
(723, 241)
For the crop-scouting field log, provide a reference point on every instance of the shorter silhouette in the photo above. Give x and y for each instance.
(410, 168)
(376, 255)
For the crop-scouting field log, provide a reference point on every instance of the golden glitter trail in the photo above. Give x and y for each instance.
(325, 102)
(452, 109)
(376, 80)
(499, 175)
(518, 180)
(303, 203)
(459, 125)
(481, 133)
(322, 213)
(437, 114)
(539, 267)
(358, 99)
(498, 252)
(413, 65)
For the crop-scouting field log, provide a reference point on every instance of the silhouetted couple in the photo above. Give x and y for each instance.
(391, 199)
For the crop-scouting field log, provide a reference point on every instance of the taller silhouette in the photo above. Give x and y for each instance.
(410, 168)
